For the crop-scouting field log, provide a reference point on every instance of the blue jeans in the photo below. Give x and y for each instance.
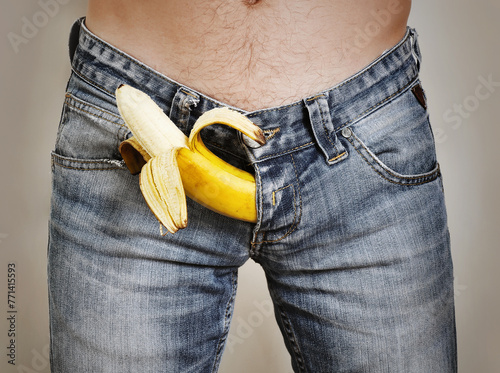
(351, 233)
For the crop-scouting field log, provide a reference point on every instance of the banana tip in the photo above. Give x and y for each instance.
(260, 138)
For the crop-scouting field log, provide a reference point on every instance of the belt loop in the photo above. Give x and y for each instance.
(182, 104)
(415, 49)
(323, 129)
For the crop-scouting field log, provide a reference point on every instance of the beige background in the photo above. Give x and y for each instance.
(459, 41)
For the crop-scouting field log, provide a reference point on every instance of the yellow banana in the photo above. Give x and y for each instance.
(171, 162)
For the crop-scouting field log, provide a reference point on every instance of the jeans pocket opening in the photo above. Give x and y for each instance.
(387, 172)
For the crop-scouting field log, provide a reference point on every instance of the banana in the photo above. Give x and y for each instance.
(173, 166)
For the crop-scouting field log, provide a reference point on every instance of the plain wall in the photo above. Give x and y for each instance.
(460, 47)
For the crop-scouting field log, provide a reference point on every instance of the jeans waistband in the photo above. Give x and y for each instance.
(314, 119)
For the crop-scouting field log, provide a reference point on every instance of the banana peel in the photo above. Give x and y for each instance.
(172, 165)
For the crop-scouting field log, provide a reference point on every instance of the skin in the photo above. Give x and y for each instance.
(252, 54)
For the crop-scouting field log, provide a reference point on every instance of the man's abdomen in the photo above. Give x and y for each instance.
(252, 54)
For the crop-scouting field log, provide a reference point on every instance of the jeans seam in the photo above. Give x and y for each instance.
(323, 122)
(89, 35)
(271, 133)
(70, 98)
(378, 104)
(410, 180)
(296, 219)
(337, 157)
(227, 322)
(286, 151)
(290, 336)
(280, 189)
(293, 226)
(91, 82)
(113, 164)
(254, 250)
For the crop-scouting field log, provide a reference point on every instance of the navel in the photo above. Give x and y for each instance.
(251, 2)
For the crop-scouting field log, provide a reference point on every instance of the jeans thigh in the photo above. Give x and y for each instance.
(364, 283)
(124, 298)
(111, 313)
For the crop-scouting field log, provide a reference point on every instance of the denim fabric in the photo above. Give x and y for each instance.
(351, 233)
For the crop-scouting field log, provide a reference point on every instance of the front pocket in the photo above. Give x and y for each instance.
(87, 164)
(88, 132)
(386, 172)
(396, 141)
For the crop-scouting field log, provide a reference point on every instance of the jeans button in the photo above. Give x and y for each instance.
(346, 132)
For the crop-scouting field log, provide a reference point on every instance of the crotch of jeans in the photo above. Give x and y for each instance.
(323, 129)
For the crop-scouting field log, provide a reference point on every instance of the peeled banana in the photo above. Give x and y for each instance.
(173, 166)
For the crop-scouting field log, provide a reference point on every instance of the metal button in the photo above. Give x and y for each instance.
(346, 132)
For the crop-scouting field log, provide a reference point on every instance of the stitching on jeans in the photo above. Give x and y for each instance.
(358, 74)
(346, 123)
(91, 82)
(271, 133)
(277, 190)
(135, 62)
(227, 318)
(324, 127)
(316, 97)
(293, 226)
(296, 220)
(253, 250)
(391, 172)
(337, 157)
(298, 186)
(424, 179)
(87, 169)
(377, 105)
(162, 77)
(138, 64)
(189, 93)
(270, 110)
(287, 326)
(69, 98)
(57, 159)
(379, 60)
(286, 151)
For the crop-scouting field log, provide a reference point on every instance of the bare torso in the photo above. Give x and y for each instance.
(252, 54)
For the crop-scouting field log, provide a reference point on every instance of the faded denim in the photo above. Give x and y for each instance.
(351, 233)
